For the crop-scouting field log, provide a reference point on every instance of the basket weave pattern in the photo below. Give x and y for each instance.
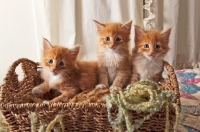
(77, 117)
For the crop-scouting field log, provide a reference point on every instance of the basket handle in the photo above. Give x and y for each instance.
(24, 63)
(172, 81)
(11, 85)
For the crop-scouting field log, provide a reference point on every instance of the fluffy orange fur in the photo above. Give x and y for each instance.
(147, 57)
(114, 66)
(61, 71)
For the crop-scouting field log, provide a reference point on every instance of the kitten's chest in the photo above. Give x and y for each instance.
(112, 74)
(53, 80)
(110, 58)
(48, 75)
(148, 69)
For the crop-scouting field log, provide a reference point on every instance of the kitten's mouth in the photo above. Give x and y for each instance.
(54, 73)
(112, 47)
(152, 56)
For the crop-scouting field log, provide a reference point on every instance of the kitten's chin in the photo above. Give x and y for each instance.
(149, 57)
(54, 73)
(111, 48)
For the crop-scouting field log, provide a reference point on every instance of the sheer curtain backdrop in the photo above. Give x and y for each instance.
(69, 22)
(183, 16)
(24, 23)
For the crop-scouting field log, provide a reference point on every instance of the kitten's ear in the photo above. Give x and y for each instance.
(99, 25)
(138, 32)
(166, 33)
(74, 51)
(127, 26)
(46, 44)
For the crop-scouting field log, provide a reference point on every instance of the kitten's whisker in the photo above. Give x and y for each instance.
(68, 77)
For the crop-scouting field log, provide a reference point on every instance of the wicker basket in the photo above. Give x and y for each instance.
(76, 117)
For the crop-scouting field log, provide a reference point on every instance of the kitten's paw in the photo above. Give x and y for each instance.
(65, 100)
(45, 102)
(115, 87)
(36, 90)
(100, 86)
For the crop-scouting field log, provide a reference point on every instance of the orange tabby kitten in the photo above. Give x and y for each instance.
(114, 66)
(147, 57)
(62, 72)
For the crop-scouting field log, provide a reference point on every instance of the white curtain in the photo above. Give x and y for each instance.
(183, 16)
(24, 23)
(69, 22)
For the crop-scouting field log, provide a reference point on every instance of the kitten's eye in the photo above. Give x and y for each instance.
(61, 63)
(107, 39)
(118, 39)
(157, 46)
(146, 46)
(50, 61)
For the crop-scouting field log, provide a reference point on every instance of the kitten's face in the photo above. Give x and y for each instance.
(151, 43)
(113, 35)
(58, 59)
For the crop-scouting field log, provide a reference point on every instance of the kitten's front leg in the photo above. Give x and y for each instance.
(122, 78)
(41, 89)
(158, 78)
(134, 76)
(65, 96)
(102, 77)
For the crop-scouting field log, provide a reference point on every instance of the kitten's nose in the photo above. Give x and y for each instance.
(151, 53)
(112, 46)
(54, 69)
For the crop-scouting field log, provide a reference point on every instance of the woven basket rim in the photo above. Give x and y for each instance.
(42, 105)
(91, 114)
(12, 68)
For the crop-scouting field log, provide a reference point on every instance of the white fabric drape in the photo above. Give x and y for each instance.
(69, 22)
(183, 16)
